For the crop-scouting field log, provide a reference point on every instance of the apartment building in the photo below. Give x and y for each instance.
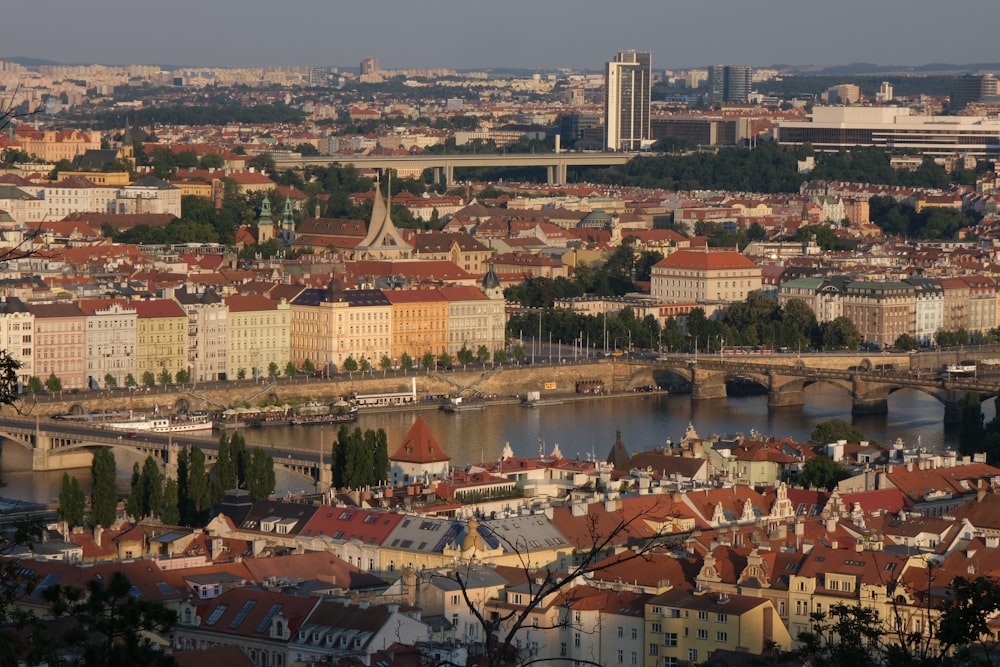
(60, 343)
(161, 339)
(258, 331)
(111, 342)
(712, 278)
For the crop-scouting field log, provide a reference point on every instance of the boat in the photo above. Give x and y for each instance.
(534, 399)
(961, 368)
(339, 417)
(458, 405)
(183, 423)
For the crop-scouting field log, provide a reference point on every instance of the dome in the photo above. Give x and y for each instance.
(491, 280)
(596, 219)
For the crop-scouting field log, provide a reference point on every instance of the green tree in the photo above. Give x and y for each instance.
(483, 354)
(364, 365)
(444, 361)
(380, 463)
(499, 356)
(152, 488)
(104, 491)
(405, 361)
(840, 334)
(290, 370)
(905, 342)
(428, 361)
(241, 374)
(71, 502)
(465, 356)
(165, 377)
(273, 370)
(133, 506)
(35, 385)
(833, 430)
(226, 476)
(130, 380)
(519, 354)
(53, 384)
(350, 364)
(199, 488)
(385, 363)
(109, 381)
(308, 366)
(148, 378)
(821, 472)
(970, 428)
(260, 475)
(171, 513)
(183, 377)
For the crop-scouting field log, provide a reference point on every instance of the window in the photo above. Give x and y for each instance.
(721, 637)
(576, 640)
(621, 656)
(702, 633)
(721, 618)
(657, 627)
(562, 649)
(781, 607)
(621, 632)
(669, 661)
(654, 649)
(635, 657)
(702, 615)
(635, 633)
(670, 639)
(693, 654)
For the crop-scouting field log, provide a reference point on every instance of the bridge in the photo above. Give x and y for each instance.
(868, 382)
(60, 445)
(555, 164)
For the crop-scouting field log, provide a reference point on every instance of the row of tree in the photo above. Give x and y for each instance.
(360, 459)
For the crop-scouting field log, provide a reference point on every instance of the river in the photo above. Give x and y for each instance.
(580, 428)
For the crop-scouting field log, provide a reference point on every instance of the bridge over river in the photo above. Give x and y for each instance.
(58, 444)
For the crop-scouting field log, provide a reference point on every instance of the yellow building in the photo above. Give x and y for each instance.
(419, 322)
(686, 627)
(712, 278)
(259, 334)
(161, 338)
(328, 326)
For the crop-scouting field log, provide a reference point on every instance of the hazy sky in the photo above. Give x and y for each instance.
(508, 33)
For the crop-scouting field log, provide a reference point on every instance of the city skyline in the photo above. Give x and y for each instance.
(520, 35)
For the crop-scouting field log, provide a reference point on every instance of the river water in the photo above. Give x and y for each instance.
(580, 428)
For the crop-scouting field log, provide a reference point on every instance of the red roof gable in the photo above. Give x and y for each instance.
(419, 446)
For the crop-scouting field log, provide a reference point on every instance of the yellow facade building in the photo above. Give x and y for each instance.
(259, 334)
(419, 323)
(160, 339)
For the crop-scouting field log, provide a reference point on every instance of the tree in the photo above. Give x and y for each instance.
(35, 385)
(405, 361)
(53, 384)
(308, 366)
(130, 380)
(519, 354)
(385, 363)
(364, 365)
(350, 364)
(428, 361)
(183, 377)
(290, 370)
(841, 334)
(483, 354)
(148, 378)
(241, 374)
(444, 361)
(133, 506)
(599, 548)
(499, 356)
(119, 625)
(225, 476)
(905, 342)
(260, 475)
(273, 370)
(109, 381)
(833, 430)
(821, 472)
(104, 491)
(170, 514)
(71, 502)
(152, 488)
(971, 429)
(199, 489)
(465, 356)
(165, 377)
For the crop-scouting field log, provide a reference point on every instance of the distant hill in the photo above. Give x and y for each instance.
(30, 62)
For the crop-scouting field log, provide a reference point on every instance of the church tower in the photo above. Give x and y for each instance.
(265, 224)
(383, 240)
(288, 223)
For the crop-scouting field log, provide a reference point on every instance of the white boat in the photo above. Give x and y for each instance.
(168, 424)
(962, 368)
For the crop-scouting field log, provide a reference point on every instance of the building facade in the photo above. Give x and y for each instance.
(628, 86)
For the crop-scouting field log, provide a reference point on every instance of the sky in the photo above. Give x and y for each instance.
(470, 34)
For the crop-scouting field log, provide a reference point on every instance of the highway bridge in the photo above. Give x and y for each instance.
(555, 164)
(57, 444)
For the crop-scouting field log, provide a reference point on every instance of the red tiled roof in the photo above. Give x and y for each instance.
(419, 446)
(158, 308)
(706, 261)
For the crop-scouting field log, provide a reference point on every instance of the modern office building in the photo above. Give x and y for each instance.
(628, 80)
(369, 65)
(832, 129)
(972, 88)
(729, 83)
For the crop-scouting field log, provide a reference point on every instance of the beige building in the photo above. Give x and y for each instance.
(161, 339)
(148, 195)
(258, 333)
(881, 311)
(474, 319)
(17, 329)
(111, 341)
(207, 334)
(711, 278)
(60, 343)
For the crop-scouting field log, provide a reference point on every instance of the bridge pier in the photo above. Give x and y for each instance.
(953, 412)
(869, 406)
(707, 384)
